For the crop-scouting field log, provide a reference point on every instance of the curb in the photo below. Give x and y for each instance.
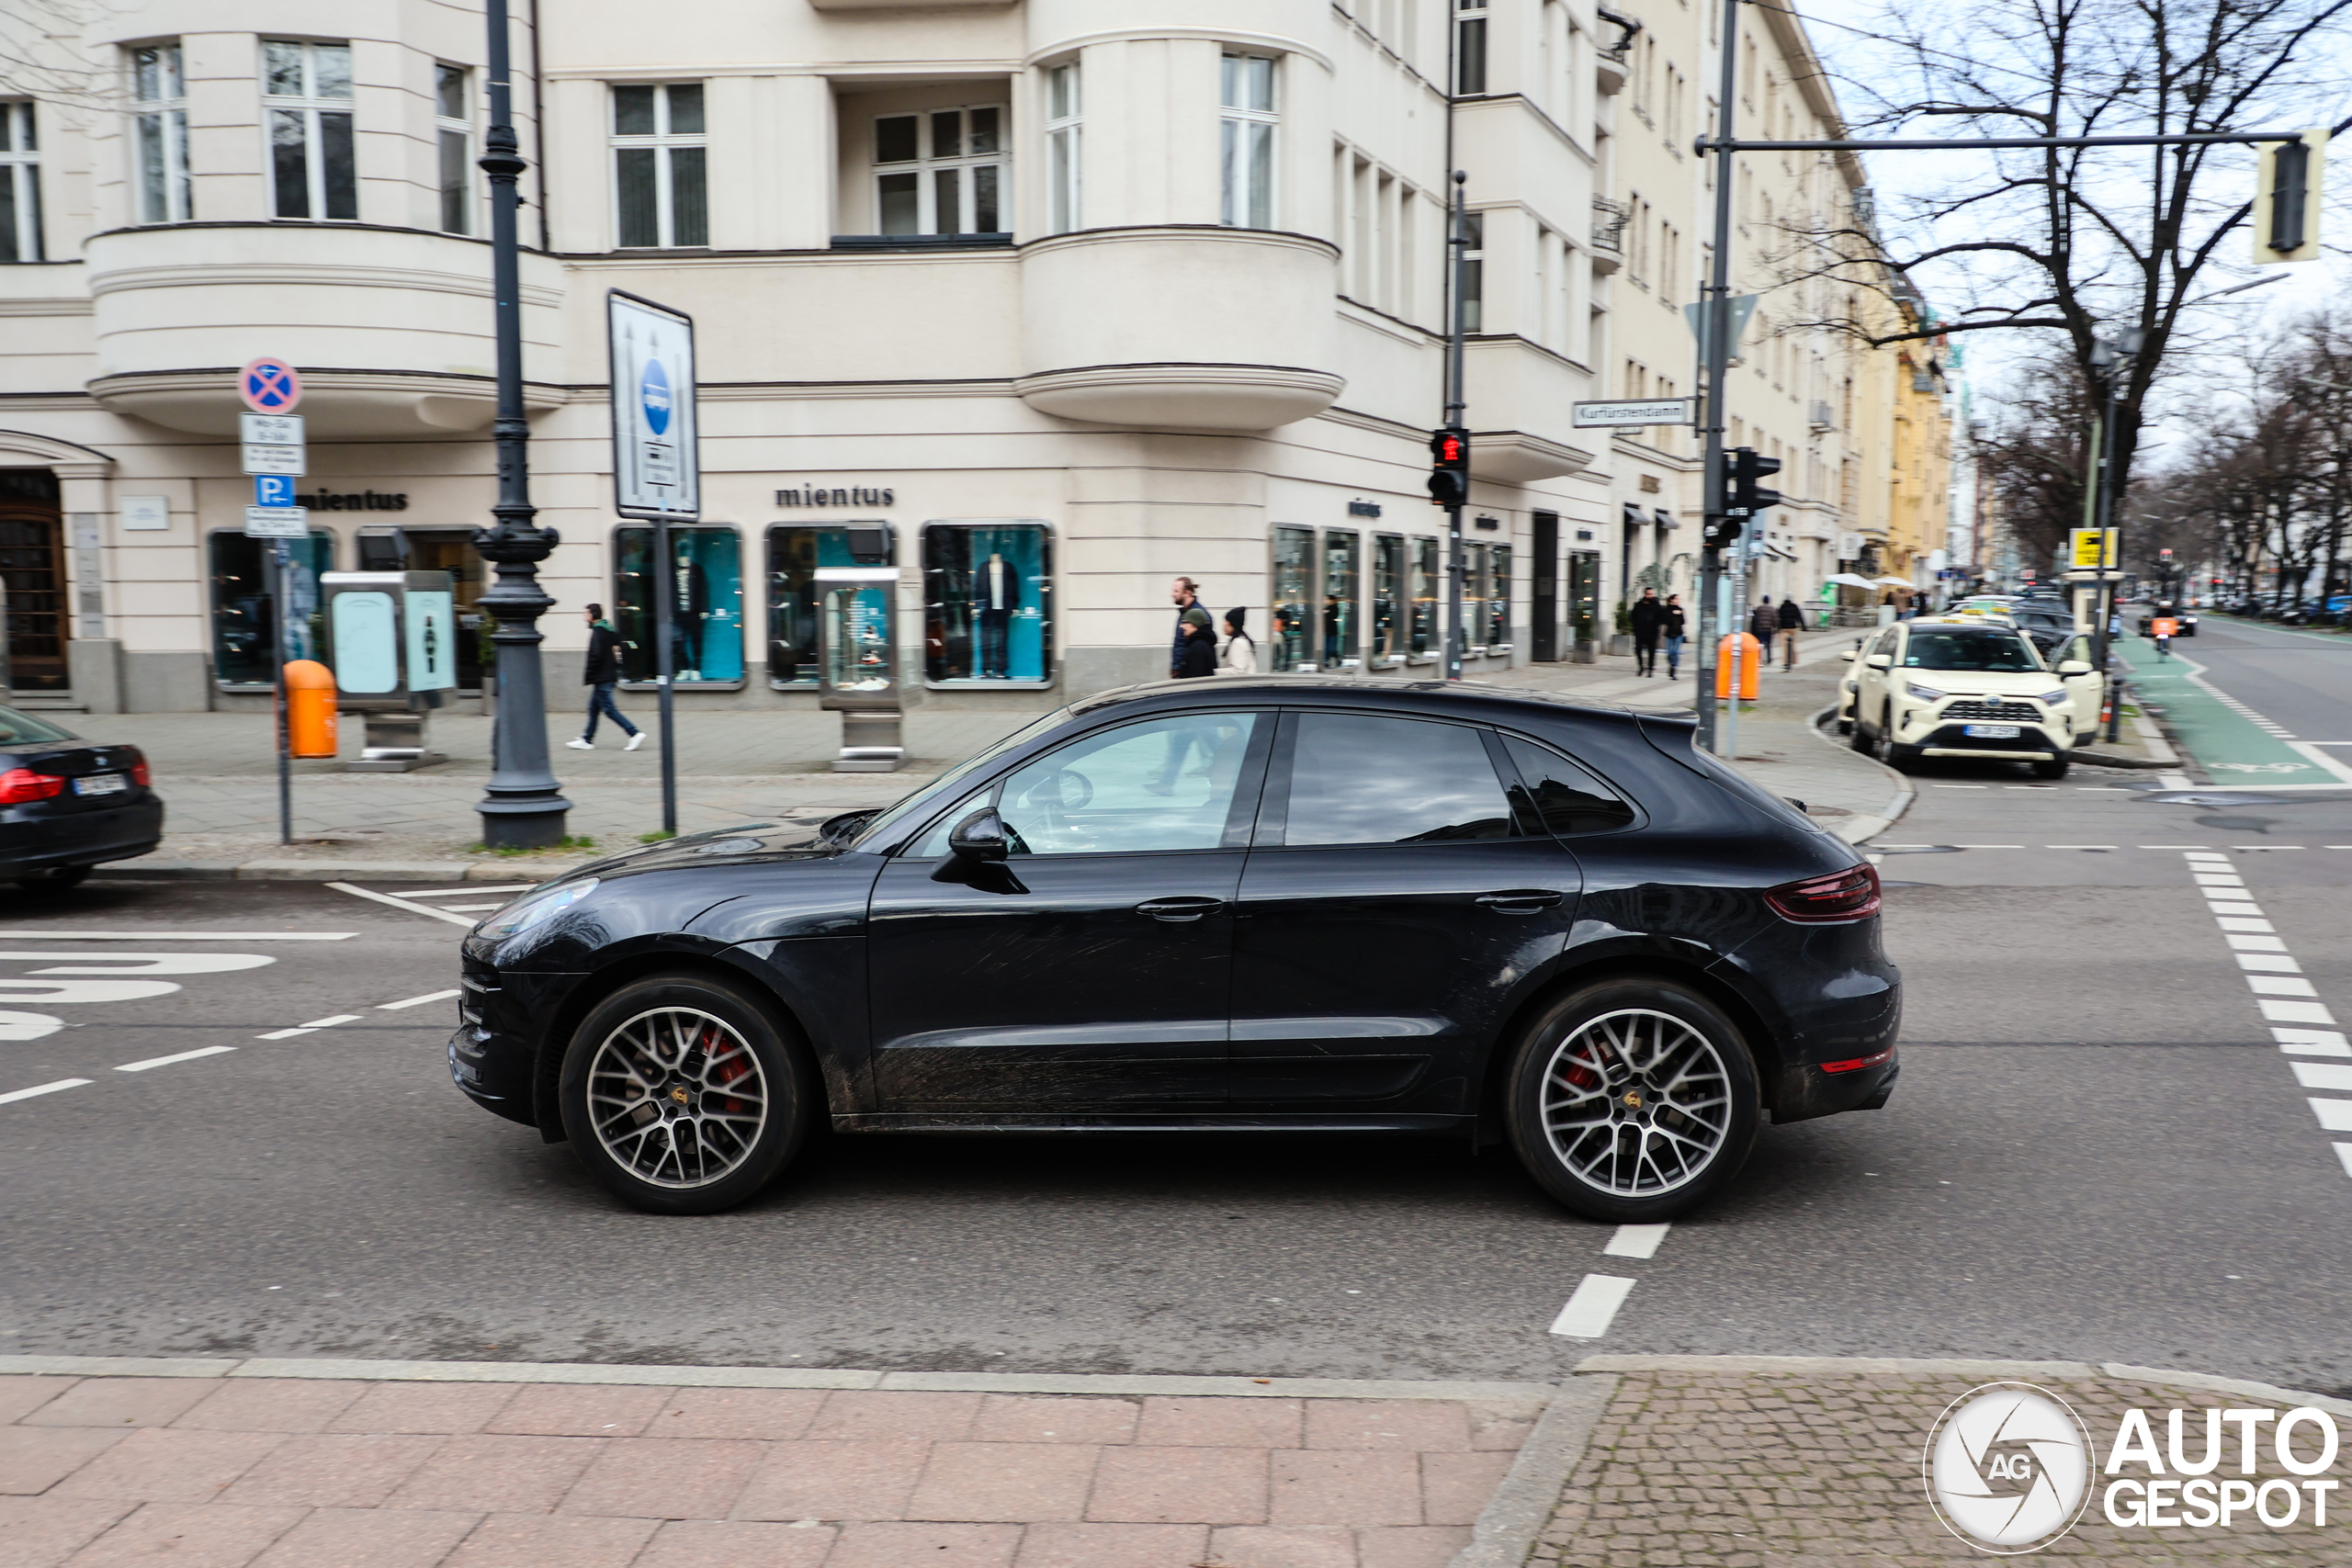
(1515, 1517)
(333, 871)
(1863, 828)
(1526, 1399)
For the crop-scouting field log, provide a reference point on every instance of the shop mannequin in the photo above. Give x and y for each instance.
(690, 606)
(996, 594)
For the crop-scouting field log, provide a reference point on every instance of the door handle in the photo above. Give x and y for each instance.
(1520, 900)
(1180, 909)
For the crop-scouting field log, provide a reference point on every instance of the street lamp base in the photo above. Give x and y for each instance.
(522, 824)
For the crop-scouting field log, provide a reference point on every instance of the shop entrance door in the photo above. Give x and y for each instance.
(1545, 605)
(32, 565)
(1584, 595)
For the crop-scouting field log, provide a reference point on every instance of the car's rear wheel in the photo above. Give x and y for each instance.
(56, 879)
(683, 1096)
(2053, 769)
(1632, 1101)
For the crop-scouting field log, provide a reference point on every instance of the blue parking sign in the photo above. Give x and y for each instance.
(273, 489)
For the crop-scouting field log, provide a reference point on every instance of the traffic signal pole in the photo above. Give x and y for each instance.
(1454, 498)
(1714, 394)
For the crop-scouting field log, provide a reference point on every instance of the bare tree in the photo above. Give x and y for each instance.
(42, 53)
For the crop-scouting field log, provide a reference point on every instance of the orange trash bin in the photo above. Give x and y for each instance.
(310, 709)
(1743, 648)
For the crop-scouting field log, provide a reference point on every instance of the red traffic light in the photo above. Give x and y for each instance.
(1448, 447)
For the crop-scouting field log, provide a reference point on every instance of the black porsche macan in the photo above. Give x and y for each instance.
(1287, 904)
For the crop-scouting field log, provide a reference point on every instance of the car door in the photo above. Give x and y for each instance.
(1871, 683)
(1391, 900)
(1090, 968)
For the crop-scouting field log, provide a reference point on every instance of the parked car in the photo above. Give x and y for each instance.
(1304, 904)
(68, 804)
(1958, 687)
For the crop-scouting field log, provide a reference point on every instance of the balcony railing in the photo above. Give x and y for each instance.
(1609, 220)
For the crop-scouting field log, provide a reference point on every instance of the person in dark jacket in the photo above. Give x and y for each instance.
(603, 674)
(1762, 622)
(1649, 618)
(1199, 646)
(1792, 623)
(1675, 624)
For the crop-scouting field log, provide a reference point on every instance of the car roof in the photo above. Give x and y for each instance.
(1460, 698)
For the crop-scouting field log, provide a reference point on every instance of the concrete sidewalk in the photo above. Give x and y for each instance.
(215, 774)
(374, 1465)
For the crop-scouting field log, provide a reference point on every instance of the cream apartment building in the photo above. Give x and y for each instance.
(1075, 295)
(1815, 398)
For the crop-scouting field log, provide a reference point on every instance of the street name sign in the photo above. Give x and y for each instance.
(277, 522)
(657, 468)
(1625, 412)
(271, 444)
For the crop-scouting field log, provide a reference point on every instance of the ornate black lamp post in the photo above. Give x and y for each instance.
(523, 807)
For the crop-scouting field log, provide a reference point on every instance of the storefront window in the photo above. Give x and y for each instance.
(988, 602)
(244, 605)
(1423, 636)
(705, 605)
(1474, 596)
(1294, 577)
(794, 556)
(1342, 572)
(1387, 598)
(1499, 596)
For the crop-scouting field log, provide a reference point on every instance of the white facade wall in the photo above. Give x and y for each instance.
(1161, 389)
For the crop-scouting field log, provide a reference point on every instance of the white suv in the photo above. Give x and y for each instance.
(1966, 687)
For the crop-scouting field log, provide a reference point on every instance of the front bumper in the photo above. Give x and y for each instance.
(494, 1054)
(2037, 740)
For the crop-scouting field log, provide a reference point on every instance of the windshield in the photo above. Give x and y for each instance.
(1982, 648)
(921, 798)
(24, 727)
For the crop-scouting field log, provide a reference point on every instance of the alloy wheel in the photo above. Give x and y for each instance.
(677, 1097)
(1636, 1103)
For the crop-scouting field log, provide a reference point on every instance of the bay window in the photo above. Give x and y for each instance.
(306, 112)
(19, 184)
(453, 122)
(1247, 155)
(159, 134)
(1062, 109)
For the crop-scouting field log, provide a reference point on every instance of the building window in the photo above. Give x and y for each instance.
(1498, 597)
(244, 605)
(1473, 597)
(1474, 272)
(1294, 580)
(1062, 110)
(159, 133)
(940, 171)
(1388, 599)
(1340, 575)
(705, 605)
(1470, 48)
(1248, 162)
(1421, 636)
(306, 105)
(795, 555)
(987, 598)
(19, 184)
(658, 182)
(453, 122)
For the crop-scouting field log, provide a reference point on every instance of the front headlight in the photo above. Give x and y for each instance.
(2051, 699)
(533, 909)
(1925, 694)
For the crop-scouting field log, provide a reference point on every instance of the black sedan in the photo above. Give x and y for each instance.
(1262, 904)
(67, 804)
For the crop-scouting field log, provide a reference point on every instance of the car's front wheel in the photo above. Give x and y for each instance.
(1632, 1101)
(683, 1096)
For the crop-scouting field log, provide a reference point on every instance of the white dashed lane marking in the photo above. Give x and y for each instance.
(1593, 1307)
(42, 1089)
(1636, 1241)
(415, 1001)
(167, 1061)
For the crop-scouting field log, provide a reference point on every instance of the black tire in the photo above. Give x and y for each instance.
(1891, 751)
(1710, 1066)
(1856, 738)
(57, 879)
(2052, 770)
(655, 1029)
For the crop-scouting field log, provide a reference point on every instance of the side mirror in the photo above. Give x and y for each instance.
(1848, 656)
(1881, 661)
(979, 836)
(2071, 667)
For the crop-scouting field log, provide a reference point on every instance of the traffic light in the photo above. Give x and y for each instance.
(1449, 474)
(2287, 199)
(1745, 497)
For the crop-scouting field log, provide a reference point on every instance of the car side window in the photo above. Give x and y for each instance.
(1165, 783)
(1562, 795)
(1361, 779)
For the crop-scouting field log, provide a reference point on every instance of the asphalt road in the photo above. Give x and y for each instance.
(2298, 679)
(2096, 1151)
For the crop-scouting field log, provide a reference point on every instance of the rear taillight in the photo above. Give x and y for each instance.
(1827, 900)
(18, 785)
(139, 774)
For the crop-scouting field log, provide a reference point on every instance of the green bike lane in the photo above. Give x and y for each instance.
(2232, 740)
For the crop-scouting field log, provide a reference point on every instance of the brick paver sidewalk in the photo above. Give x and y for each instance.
(1779, 1471)
(215, 1473)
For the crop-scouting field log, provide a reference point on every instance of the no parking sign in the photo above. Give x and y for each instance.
(270, 386)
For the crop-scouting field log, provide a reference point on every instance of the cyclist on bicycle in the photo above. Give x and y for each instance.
(2163, 628)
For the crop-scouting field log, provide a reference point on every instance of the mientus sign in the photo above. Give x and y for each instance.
(840, 495)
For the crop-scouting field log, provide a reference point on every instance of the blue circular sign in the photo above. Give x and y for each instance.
(653, 390)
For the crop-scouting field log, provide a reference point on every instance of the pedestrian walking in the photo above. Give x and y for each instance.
(1649, 618)
(1792, 623)
(1189, 619)
(601, 675)
(1675, 622)
(1762, 622)
(1240, 656)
